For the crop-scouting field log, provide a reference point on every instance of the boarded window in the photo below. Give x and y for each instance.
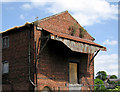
(73, 73)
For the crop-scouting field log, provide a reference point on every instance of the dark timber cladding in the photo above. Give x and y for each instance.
(45, 55)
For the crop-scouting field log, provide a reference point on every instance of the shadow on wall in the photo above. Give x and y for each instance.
(54, 62)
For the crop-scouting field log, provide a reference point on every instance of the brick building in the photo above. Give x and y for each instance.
(54, 53)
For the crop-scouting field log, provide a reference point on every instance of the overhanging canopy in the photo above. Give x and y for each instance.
(78, 46)
(75, 43)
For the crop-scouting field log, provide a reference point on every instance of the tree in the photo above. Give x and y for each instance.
(101, 75)
(113, 77)
(99, 84)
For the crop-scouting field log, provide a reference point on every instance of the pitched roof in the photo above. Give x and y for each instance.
(53, 24)
(62, 23)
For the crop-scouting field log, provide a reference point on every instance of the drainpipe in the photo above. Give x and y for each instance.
(29, 55)
(36, 65)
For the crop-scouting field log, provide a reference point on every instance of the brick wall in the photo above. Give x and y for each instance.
(87, 72)
(52, 62)
(53, 66)
(62, 23)
(17, 56)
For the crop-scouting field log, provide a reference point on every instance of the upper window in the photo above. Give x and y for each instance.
(5, 67)
(5, 42)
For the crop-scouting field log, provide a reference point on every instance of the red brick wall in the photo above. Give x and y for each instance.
(62, 23)
(52, 62)
(87, 75)
(17, 56)
(53, 66)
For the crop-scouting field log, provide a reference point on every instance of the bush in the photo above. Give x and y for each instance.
(117, 88)
(99, 84)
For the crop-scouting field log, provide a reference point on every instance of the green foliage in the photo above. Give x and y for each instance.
(117, 88)
(99, 84)
(82, 32)
(73, 29)
(102, 75)
(113, 77)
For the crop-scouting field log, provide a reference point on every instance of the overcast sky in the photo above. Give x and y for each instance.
(98, 17)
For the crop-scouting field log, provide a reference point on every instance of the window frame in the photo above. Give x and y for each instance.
(6, 43)
(4, 62)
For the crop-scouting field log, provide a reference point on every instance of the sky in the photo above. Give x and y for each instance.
(98, 17)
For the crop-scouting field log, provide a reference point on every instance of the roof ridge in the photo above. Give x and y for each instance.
(34, 21)
(51, 16)
(15, 27)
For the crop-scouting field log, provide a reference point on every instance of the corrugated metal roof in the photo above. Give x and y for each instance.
(77, 39)
(77, 46)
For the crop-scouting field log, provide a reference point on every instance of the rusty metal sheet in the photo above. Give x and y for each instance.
(77, 46)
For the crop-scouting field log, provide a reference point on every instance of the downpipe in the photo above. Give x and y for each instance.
(29, 54)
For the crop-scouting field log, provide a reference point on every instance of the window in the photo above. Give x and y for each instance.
(5, 42)
(5, 67)
(73, 73)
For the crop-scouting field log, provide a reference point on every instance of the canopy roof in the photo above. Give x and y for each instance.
(75, 43)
